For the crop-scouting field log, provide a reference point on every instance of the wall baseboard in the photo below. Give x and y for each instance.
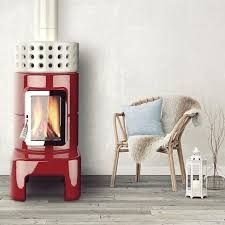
(121, 171)
(124, 171)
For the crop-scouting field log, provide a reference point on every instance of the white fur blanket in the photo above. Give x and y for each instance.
(173, 108)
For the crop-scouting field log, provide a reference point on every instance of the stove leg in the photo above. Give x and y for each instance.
(70, 192)
(72, 180)
(18, 192)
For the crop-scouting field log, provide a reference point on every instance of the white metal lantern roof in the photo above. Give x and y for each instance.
(196, 155)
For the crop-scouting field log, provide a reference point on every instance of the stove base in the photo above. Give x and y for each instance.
(69, 168)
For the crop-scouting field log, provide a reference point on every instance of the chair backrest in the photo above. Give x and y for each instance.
(146, 100)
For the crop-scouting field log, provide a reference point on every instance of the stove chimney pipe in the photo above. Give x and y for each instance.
(46, 20)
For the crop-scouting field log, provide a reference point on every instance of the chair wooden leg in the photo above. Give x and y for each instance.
(138, 172)
(115, 165)
(181, 162)
(172, 169)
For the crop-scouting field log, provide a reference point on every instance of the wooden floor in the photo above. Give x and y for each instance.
(148, 202)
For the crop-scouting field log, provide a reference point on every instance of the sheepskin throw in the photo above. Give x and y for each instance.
(173, 108)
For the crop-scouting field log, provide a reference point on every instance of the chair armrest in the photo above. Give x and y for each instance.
(119, 114)
(191, 115)
(178, 129)
(119, 128)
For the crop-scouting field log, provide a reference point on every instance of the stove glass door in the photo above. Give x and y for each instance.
(45, 116)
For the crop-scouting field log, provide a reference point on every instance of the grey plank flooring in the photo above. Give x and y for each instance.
(150, 201)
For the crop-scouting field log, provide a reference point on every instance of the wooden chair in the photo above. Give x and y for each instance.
(174, 144)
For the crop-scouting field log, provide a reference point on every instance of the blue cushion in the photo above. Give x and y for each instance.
(144, 119)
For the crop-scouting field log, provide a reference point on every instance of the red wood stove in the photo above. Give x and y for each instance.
(46, 111)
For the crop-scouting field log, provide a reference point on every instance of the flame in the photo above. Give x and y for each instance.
(45, 117)
(53, 117)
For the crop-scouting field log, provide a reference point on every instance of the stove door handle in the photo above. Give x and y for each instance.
(24, 131)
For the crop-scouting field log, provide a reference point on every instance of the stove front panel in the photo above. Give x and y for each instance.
(48, 103)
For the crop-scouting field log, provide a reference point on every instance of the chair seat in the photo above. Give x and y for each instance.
(123, 147)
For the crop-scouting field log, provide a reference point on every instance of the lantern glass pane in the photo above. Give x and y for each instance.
(204, 181)
(189, 181)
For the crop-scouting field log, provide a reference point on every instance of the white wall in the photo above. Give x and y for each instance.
(128, 49)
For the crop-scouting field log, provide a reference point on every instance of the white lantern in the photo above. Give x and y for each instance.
(196, 176)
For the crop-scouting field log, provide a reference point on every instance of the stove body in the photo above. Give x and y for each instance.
(46, 110)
